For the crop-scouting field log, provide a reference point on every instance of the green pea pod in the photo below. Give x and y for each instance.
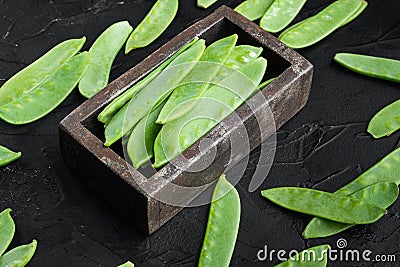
(253, 9)
(30, 77)
(153, 25)
(215, 104)
(127, 264)
(380, 194)
(121, 100)
(321, 25)
(358, 12)
(386, 121)
(222, 227)
(103, 52)
(280, 14)
(315, 257)
(19, 256)
(45, 97)
(7, 227)
(153, 94)
(7, 156)
(198, 79)
(383, 68)
(325, 205)
(205, 3)
(141, 140)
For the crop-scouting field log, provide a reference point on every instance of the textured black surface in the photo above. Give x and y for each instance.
(324, 146)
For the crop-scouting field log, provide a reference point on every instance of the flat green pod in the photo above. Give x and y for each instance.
(321, 25)
(315, 257)
(36, 73)
(103, 52)
(222, 226)
(7, 227)
(19, 256)
(7, 156)
(205, 3)
(153, 25)
(325, 205)
(280, 14)
(386, 121)
(253, 9)
(41, 100)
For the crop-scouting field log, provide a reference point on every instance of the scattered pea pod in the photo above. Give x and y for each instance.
(325, 205)
(222, 227)
(127, 264)
(103, 52)
(121, 100)
(45, 97)
(19, 256)
(386, 121)
(253, 9)
(214, 105)
(315, 257)
(205, 3)
(30, 77)
(280, 14)
(153, 25)
(7, 156)
(383, 68)
(7, 227)
(380, 194)
(314, 29)
(152, 94)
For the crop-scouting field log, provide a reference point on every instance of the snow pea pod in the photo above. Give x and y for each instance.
(42, 99)
(127, 264)
(205, 3)
(215, 104)
(19, 256)
(222, 226)
(204, 72)
(315, 257)
(380, 194)
(121, 100)
(152, 94)
(383, 68)
(8, 156)
(153, 25)
(30, 77)
(103, 52)
(325, 205)
(386, 121)
(280, 14)
(321, 25)
(7, 227)
(253, 9)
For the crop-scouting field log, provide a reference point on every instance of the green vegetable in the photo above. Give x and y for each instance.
(253, 9)
(377, 67)
(280, 14)
(36, 73)
(386, 121)
(222, 226)
(205, 3)
(314, 29)
(42, 99)
(215, 104)
(153, 25)
(325, 205)
(19, 256)
(127, 264)
(8, 156)
(309, 257)
(380, 194)
(7, 231)
(121, 100)
(103, 52)
(358, 12)
(153, 93)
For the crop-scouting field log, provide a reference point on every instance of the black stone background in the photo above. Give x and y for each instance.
(325, 146)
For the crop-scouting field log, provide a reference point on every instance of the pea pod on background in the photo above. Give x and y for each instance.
(45, 97)
(253, 9)
(7, 156)
(19, 256)
(315, 257)
(30, 77)
(222, 226)
(103, 52)
(7, 231)
(153, 25)
(386, 121)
